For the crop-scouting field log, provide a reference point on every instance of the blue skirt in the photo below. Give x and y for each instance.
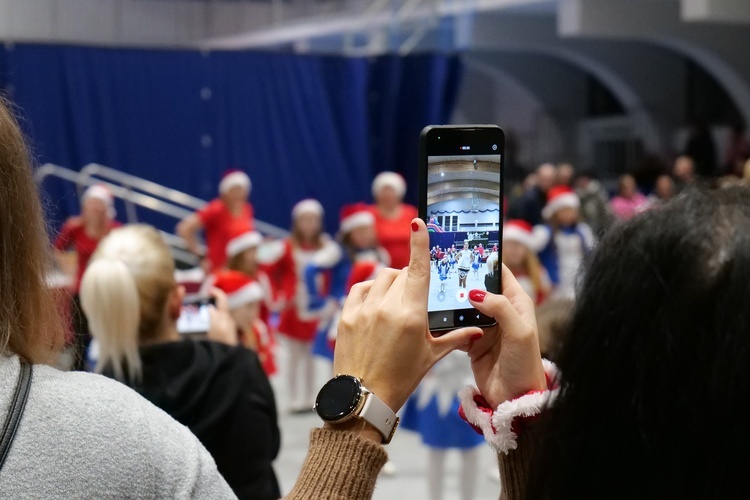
(439, 431)
(321, 347)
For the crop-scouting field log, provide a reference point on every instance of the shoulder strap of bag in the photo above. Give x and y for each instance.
(17, 405)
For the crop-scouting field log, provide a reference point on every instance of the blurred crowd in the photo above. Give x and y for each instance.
(288, 294)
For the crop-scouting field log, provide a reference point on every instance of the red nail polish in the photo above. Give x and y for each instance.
(414, 227)
(477, 295)
(476, 336)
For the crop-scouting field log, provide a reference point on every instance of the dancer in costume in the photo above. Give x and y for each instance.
(564, 240)
(298, 323)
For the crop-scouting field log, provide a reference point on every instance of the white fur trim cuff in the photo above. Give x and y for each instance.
(497, 425)
(252, 292)
(567, 200)
(235, 179)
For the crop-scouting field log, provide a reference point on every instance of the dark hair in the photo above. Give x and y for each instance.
(655, 395)
(30, 323)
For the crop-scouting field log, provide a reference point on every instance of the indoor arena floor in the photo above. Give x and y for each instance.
(406, 452)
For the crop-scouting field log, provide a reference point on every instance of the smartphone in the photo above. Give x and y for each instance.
(194, 317)
(460, 199)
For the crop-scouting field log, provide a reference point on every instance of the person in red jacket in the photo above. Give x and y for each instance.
(221, 219)
(392, 217)
(82, 234)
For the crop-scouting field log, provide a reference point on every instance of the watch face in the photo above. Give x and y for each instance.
(338, 398)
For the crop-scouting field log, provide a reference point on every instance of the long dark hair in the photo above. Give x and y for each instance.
(655, 396)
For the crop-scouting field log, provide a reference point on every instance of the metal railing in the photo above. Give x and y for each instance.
(138, 192)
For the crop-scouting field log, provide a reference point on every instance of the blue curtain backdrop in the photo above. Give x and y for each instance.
(301, 126)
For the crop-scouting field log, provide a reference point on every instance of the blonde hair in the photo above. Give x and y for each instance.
(124, 293)
(493, 263)
(30, 325)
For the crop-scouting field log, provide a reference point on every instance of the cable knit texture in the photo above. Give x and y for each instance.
(85, 436)
(339, 466)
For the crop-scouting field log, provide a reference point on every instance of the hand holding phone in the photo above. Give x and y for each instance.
(223, 327)
(507, 363)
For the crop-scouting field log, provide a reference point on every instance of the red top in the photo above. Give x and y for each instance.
(220, 226)
(73, 235)
(394, 234)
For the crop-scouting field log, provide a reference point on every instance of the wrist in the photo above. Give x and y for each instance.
(344, 403)
(359, 427)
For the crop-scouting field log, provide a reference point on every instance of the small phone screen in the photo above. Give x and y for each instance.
(463, 219)
(194, 317)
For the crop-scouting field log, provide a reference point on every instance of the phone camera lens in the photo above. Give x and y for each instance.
(494, 146)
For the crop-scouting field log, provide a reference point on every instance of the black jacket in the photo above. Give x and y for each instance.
(223, 395)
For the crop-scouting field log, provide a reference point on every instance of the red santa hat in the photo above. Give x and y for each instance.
(102, 193)
(238, 244)
(560, 197)
(520, 231)
(234, 178)
(389, 179)
(240, 288)
(355, 216)
(308, 206)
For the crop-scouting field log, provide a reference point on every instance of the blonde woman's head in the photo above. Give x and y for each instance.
(126, 293)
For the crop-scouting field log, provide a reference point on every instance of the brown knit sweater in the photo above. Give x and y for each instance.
(344, 466)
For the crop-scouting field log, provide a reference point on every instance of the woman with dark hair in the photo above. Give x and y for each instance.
(653, 397)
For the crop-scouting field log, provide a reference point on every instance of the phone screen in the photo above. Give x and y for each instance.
(463, 211)
(194, 317)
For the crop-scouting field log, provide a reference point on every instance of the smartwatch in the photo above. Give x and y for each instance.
(344, 397)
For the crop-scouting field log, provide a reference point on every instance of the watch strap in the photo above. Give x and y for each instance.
(379, 415)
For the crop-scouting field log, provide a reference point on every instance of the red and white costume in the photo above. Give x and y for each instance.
(394, 235)
(521, 231)
(219, 224)
(242, 290)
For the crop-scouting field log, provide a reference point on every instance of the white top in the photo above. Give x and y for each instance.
(86, 436)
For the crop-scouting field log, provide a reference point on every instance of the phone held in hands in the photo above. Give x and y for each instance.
(194, 318)
(460, 199)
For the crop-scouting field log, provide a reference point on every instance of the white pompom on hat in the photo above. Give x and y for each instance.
(386, 179)
(560, 197)
(239, 287)
(238, 244)
(308, 206)
(101, 192)
(355, 216)
(520, 231)
(235, 178)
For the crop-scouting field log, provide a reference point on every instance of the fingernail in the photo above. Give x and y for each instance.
(477, 295)
(414, 227)
(476, 336)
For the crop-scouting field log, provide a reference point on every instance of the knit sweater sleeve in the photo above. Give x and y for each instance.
(339, 466)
